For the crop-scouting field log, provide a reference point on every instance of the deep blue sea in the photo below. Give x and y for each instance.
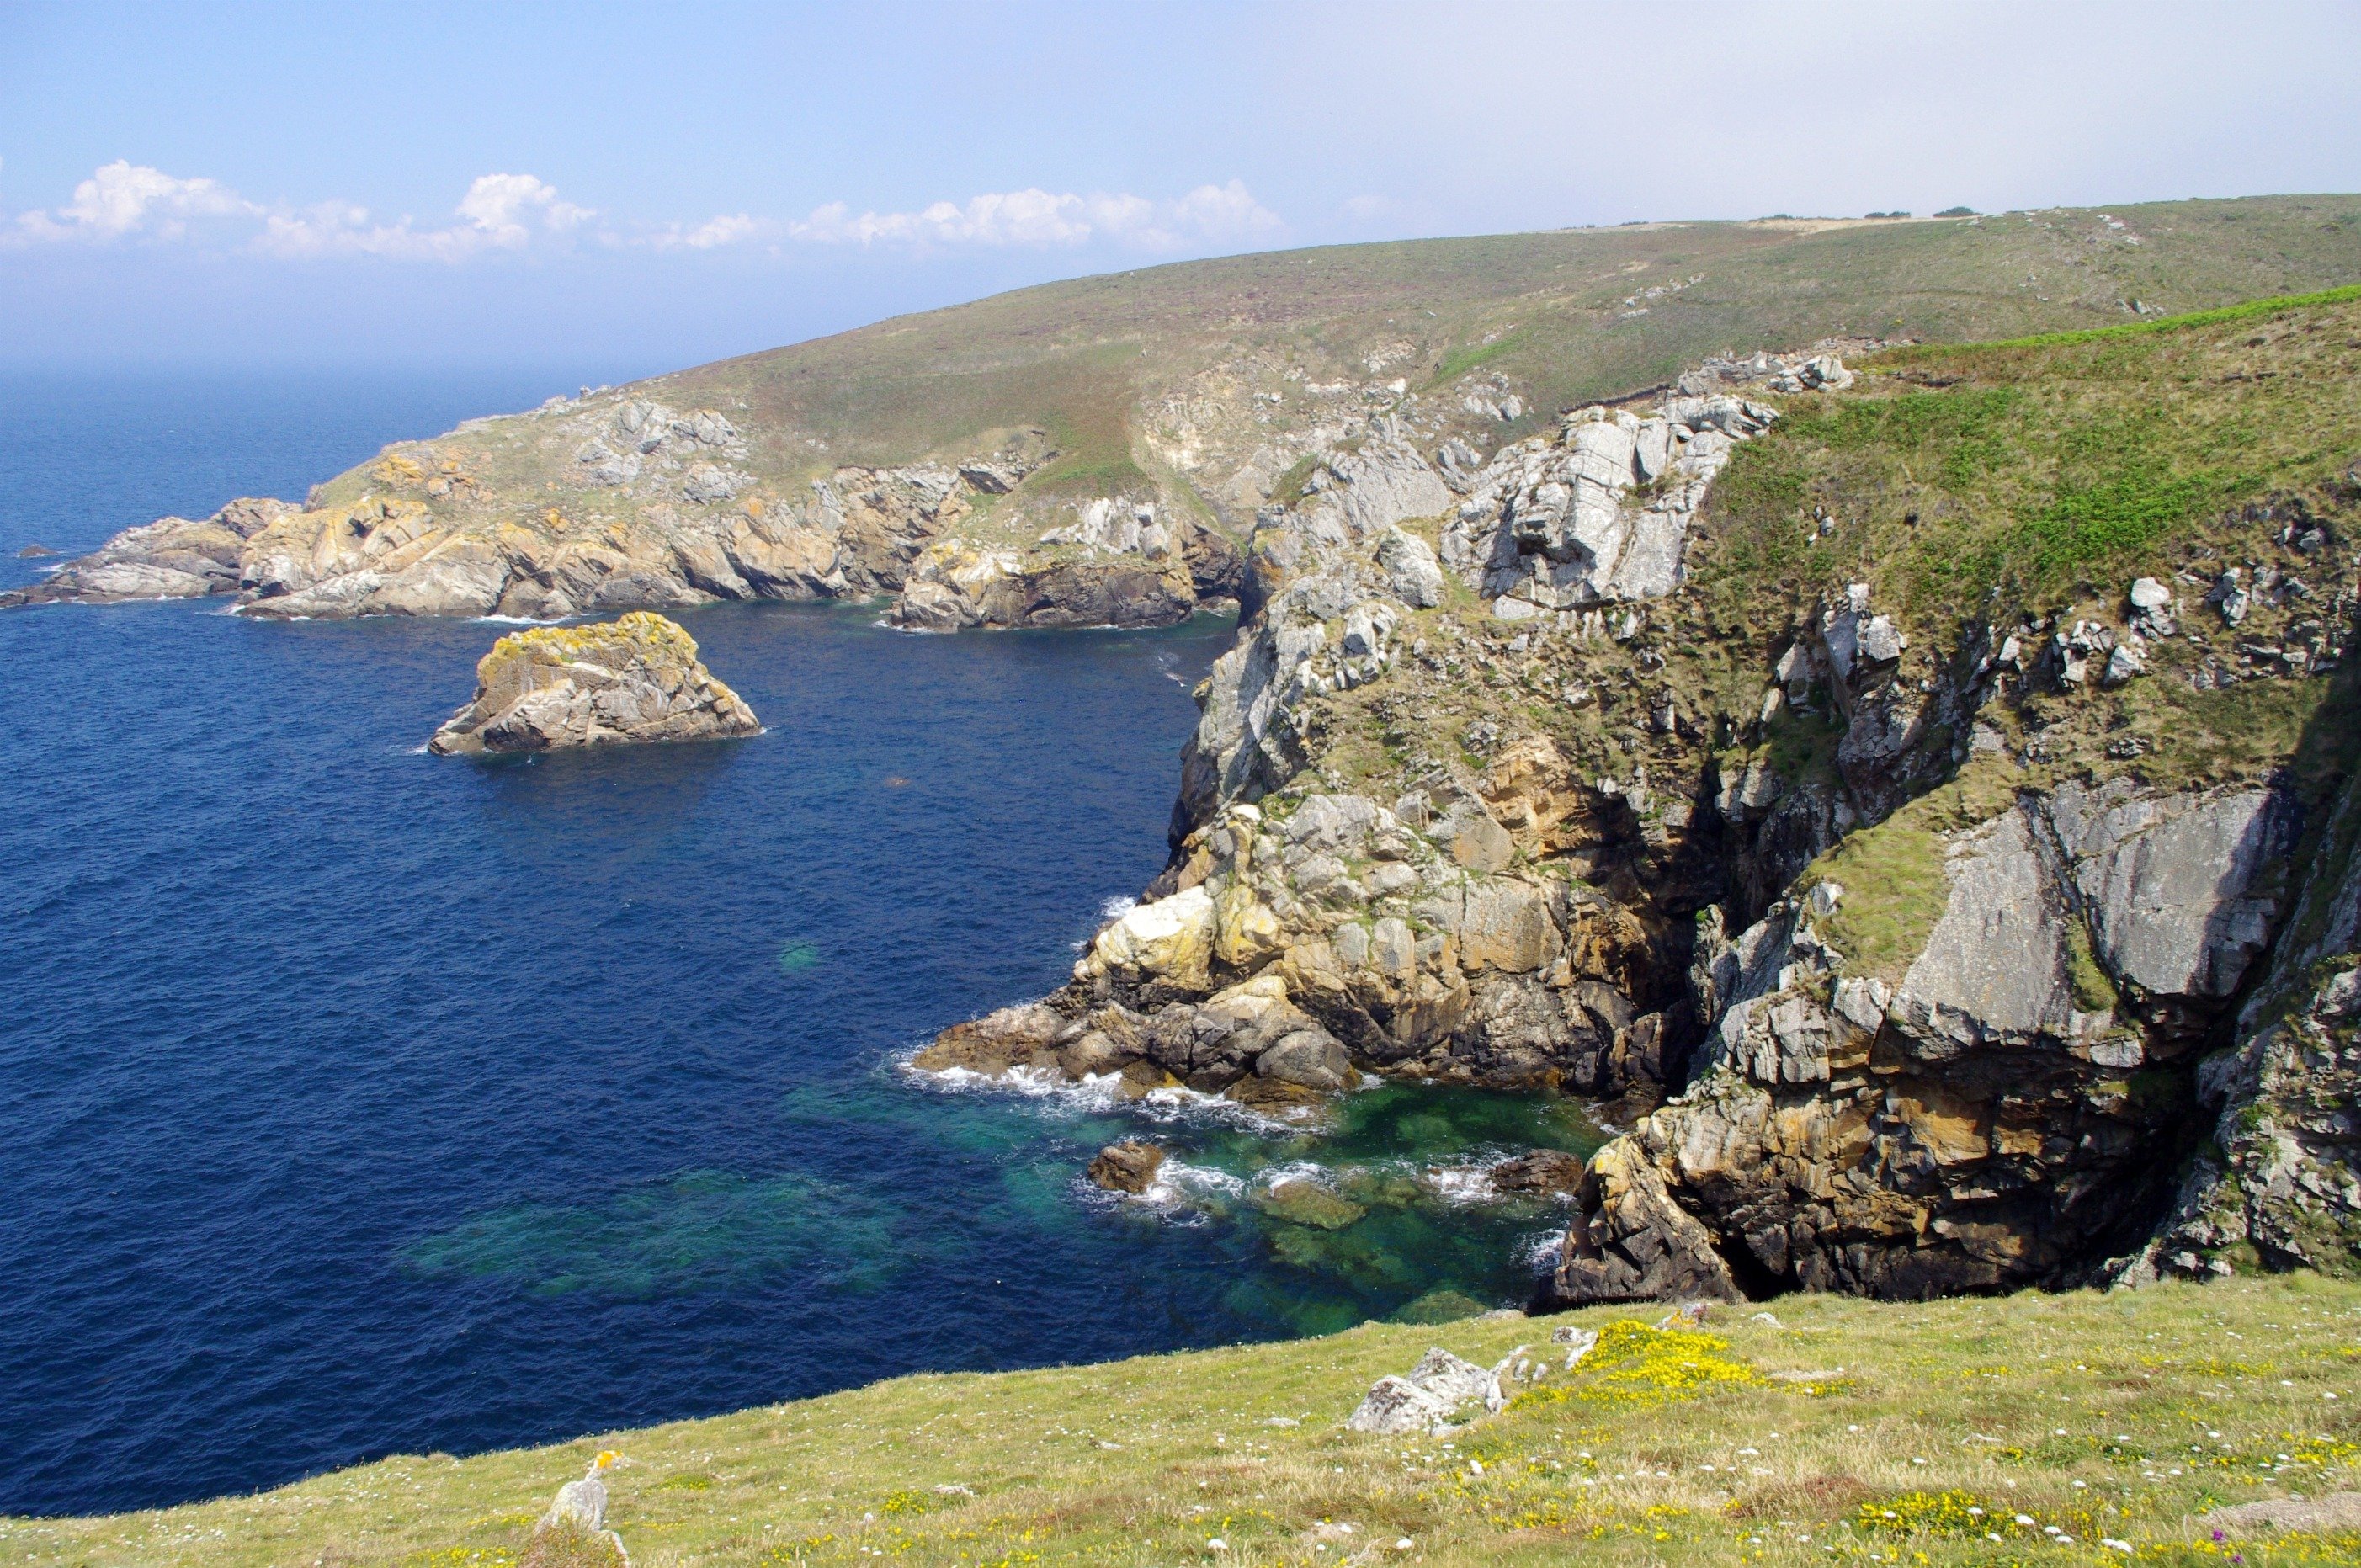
(358, 1102)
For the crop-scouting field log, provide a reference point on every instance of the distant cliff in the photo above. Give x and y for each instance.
(1099, 452)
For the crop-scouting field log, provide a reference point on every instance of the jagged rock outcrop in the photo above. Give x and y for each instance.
(1987, 1112)
(1119, 566)
(637, 678)
(2278, 1180)
(1602, 514)
(173, 557)
(1458, 933)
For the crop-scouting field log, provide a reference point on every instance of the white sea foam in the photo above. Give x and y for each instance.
(1271, 1176)
(1114, 909)
(1100, 1095)
(1462, 1186)
(1539, 1248)
(1468, 1182)
(519, 620)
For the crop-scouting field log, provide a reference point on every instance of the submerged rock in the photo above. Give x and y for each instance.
(1127, 1166)
(638, 678)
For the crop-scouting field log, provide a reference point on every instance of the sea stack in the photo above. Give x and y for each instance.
(637, 678)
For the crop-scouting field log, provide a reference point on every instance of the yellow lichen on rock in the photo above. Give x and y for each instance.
(636, 678)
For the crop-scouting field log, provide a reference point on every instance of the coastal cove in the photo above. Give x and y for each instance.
(367, 1101)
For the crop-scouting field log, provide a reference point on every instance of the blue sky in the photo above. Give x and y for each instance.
(640, 186)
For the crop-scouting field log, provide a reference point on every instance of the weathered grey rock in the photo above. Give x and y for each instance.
(2175, 887)
(1426, 1400)
(173, 557)
(1994, 968)
(1549, 527)
(638, 678)
(581, 1504)
(1310, 1058)
(1395, 1406)
(2337, 1511)
(1881, 643)
(2277, 1174)
(1413, 573)
(1543, 1171)
(1384, 483)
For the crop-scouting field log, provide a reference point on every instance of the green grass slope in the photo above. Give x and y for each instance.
(1965, 1432)
(1568, 315)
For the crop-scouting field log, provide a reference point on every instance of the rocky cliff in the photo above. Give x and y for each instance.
(635, 678)
(1875, 786)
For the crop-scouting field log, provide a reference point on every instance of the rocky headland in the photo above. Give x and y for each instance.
(1922, 941)
(637, 678)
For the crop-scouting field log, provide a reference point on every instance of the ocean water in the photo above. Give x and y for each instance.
(360, 1101)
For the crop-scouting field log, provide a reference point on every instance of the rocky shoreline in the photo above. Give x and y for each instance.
(421, 535)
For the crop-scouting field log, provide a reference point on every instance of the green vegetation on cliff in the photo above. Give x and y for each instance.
(2026, 1428)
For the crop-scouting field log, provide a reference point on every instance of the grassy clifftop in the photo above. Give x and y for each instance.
(1964, 1432)
(1568, 316)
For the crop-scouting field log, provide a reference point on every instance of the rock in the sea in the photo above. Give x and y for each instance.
(1009, 1037)
(633, 679)
(35, 552)
(1540, 1172)
(1127, 1166)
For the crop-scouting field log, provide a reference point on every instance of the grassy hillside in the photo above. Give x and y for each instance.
(1570, 315)
(2106, 1417)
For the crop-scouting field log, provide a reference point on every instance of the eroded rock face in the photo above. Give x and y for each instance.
(2279, 1179)
(173, 557)
(637, 678)
(1602, 514)
(1982, 1122)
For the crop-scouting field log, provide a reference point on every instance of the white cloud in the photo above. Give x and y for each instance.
(500, 211)
(728, 228)
(503, 212)
(517, 213)
(1037, 218)
(125, 198)
(499, 204)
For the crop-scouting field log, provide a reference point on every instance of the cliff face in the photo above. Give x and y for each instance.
(1903, 871)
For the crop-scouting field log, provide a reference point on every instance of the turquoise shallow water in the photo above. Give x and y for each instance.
(362, 1102)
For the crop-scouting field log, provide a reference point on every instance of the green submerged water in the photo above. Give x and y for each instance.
(1377, 1210)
